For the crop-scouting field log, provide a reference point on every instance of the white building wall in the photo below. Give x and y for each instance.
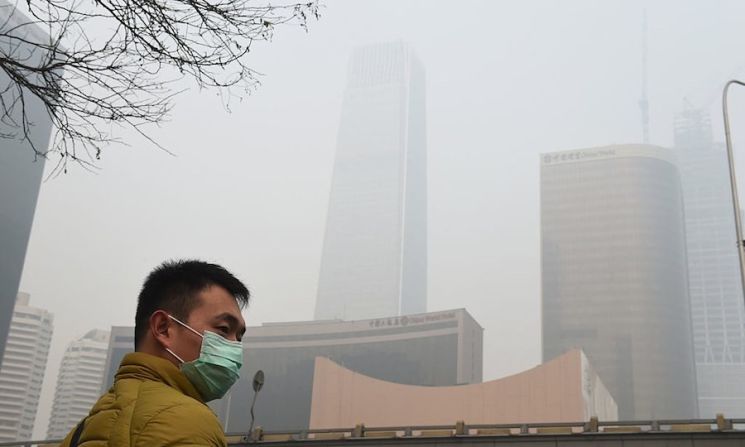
(79, 382)
(599, 402)
(22, 371)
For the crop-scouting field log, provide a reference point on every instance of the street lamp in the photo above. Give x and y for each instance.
(733, 182)
(257, 384)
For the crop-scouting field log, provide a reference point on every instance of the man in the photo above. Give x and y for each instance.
(188, 328)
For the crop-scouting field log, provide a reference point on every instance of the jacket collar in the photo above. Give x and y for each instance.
(142, 366)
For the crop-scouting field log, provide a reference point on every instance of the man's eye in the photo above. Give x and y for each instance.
(223, 329)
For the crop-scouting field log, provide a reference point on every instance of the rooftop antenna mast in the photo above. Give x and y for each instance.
(643, 102)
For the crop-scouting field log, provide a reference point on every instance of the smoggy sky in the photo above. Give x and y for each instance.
(249, 189)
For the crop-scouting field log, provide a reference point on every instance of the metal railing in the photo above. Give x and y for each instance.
(461, 429)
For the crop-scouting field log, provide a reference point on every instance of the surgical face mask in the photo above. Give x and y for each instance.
(217, 367)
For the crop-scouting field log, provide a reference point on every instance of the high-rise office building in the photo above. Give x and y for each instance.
(374, 261)
(717, 308)
(22, 370)
(79, 382)
(614, 274)
(431, 349)
(20, 170)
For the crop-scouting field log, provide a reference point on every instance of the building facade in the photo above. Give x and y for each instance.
(717, 308)
(614, 274)
(121, 343)
(439, 348)
(22, 370)
(374, 260)
(565, 389)
(79, 382)
(20, 171)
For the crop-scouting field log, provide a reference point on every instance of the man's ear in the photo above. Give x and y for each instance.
(161, 328)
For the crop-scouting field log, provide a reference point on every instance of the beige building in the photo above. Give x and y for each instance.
(566, 389)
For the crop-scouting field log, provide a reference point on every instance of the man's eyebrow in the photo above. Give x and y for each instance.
(232, 320)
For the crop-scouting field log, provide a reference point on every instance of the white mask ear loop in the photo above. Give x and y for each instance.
(187, 327)
(174, 354)
(184, 325)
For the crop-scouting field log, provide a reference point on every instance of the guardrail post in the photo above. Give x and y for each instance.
(460, 428)
(256, 434)
(592, 426)
(722, 423)
(524, 429)
(359, 431)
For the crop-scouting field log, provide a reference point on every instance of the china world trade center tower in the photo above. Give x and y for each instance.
(374, 259)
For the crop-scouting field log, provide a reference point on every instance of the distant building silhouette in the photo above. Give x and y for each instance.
(121, 343)
(374, 261)
(717, 308)
(614, 274)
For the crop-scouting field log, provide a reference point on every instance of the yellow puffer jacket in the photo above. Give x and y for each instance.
(151, 404)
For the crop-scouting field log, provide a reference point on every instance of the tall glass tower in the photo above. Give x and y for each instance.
(20, 170)
(717, 306)
(374, 261)
(614, 274)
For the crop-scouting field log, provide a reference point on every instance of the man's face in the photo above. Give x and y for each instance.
(217, 311)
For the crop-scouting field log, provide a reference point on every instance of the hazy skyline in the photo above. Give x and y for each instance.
(249, 189)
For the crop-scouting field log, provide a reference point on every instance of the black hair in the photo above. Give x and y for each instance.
(174, 286)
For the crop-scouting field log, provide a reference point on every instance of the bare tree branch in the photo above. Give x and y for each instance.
(87, 83)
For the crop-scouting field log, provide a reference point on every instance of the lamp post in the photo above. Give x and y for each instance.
(257, 384)
(733, 181)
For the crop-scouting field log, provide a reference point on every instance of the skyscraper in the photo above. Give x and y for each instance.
(20, 171)
(374, 261)
(22, 370)
(614, 274)
(79, 382)
(717, 306)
